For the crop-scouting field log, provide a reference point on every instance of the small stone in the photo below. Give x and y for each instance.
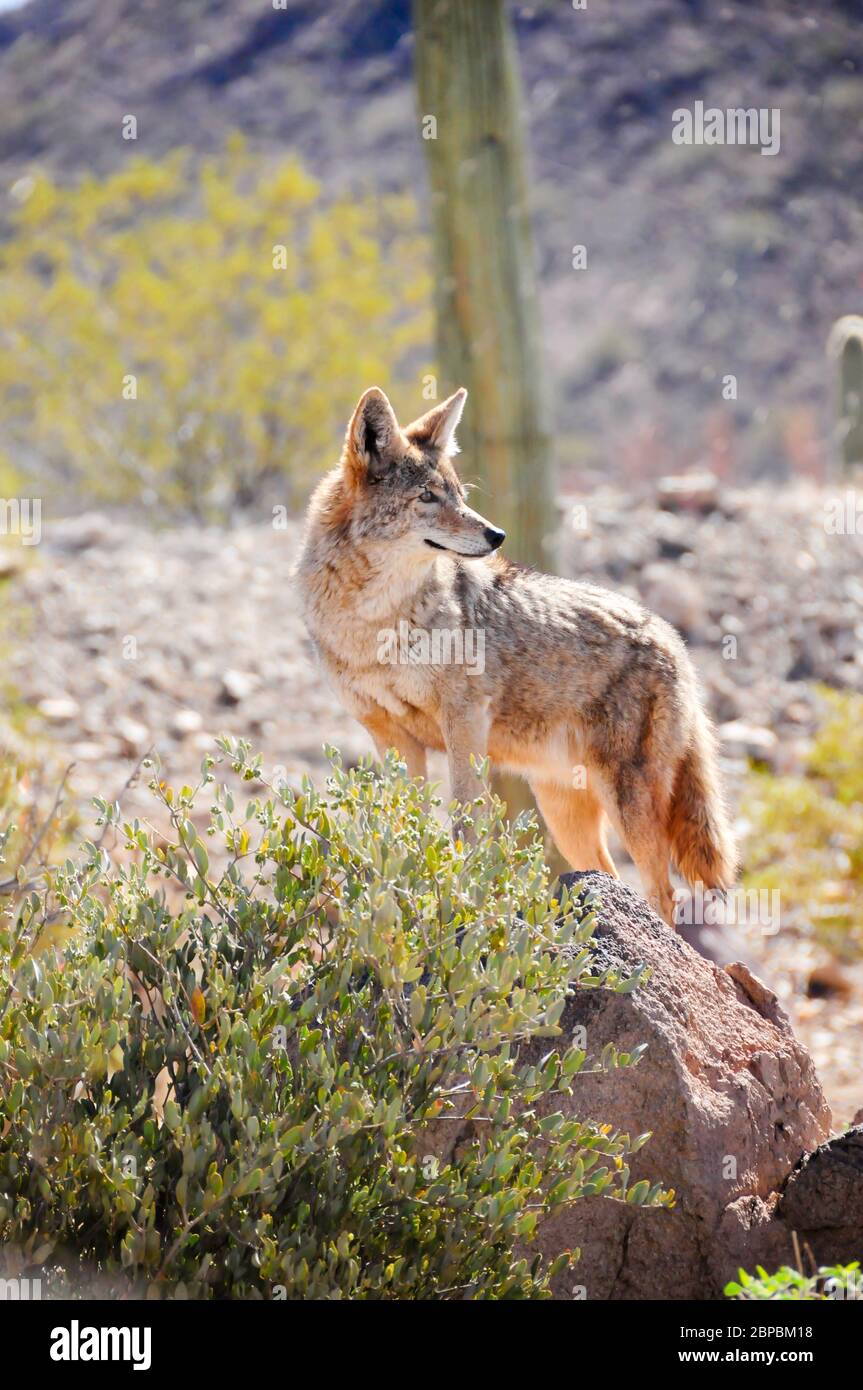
(725, 696)
(673, 536)
(236, 687)
(89, 752)
(828, 981)
(798, 712)
(674, 595)
(59, 709)
(185, 722)
(743, 740)
(11, 561)
(792, 757)
(82, 532)
(689, 492)
(133, 735)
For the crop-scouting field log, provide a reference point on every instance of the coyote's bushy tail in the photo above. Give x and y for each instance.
(702, 845)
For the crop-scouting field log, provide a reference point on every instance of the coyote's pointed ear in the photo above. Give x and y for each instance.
(373, 443)
(437, 427)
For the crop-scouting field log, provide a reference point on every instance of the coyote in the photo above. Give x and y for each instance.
(583, 692)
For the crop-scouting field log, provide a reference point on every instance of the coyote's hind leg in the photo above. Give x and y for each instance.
(638, 817)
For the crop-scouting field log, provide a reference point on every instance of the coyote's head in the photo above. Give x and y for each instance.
(402, 484)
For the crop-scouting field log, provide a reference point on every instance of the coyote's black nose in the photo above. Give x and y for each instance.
(494, 537)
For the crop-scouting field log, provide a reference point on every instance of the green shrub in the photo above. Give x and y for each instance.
(35, 825)
(806, 832)
(830, 1283)
(238, 1080)
(183, 332)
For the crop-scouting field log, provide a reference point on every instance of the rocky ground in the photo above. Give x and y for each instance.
(118, 639)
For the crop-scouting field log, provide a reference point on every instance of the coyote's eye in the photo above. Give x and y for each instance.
(427, 496)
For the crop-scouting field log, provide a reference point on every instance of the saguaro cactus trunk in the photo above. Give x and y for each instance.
(488, 335)
(487, 314)
(846, 344)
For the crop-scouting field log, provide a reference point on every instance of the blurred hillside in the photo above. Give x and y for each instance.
(702, 261)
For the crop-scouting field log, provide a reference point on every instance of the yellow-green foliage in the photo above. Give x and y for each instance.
(250, 310)
(806, 836)
(827, 1283)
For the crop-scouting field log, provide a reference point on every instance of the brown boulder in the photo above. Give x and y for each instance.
(823, 1200)
(731, 1098)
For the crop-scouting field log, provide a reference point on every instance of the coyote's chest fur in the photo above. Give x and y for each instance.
(469, 642)
(385, 644)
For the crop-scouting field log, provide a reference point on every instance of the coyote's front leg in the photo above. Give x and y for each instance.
(465, 732)
(387, 733)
